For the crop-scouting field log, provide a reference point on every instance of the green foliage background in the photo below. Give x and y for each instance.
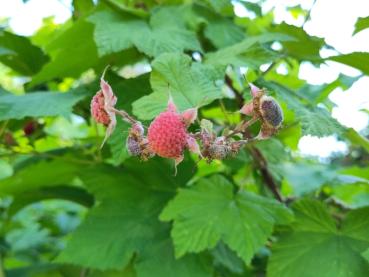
(71, 209)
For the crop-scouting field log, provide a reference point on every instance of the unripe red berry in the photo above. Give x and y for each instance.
(29, 128)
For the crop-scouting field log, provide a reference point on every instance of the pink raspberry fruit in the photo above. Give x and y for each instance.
(97, 109)
(167, 135)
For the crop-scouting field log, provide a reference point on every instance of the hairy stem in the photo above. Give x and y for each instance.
(126, 117)
(242, 127)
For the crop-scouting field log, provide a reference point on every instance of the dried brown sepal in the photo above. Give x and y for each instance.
(137, 144)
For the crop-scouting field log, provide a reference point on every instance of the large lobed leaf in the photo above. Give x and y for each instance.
(18, 53)
(44, 180)
(221, 31)
(72, 52)
(210, 211)
(191, 85)
(317, 247)
(125, 222)
(165, 33)
(248, 52)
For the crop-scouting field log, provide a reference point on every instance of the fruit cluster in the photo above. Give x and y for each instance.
(168, 135)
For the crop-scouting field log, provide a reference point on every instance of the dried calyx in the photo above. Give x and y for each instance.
(137, 144)
(217, 148)
(266, 109)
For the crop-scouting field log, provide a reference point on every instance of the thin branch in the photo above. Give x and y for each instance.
(238, 95)
(267, 176)
(241, 128)
(224, 110)
(257, 155)
(126, 117)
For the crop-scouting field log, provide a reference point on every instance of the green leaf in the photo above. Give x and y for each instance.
(6, 170)
(225, 257)
(210, 211)
(305, 178)
(359, 60)
(220, 6)
(222, 32)
(318, 93)
(72, 52)
(315, 235)
(39, 175)
(37, 104)
(356, 139)
(304, 47)
(44, 180)
(127, 7)
(366, 254)
(253, 7)
(354, 195)
(362, 23)
(191, 85)
(117, 142)
(167, 33)
(125, 223)
(40, 269)
(249, 52)
(82, 7)
(113, 32)
(318, 122)
(18, 53)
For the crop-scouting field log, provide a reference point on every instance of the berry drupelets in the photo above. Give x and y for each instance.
(168, 136)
